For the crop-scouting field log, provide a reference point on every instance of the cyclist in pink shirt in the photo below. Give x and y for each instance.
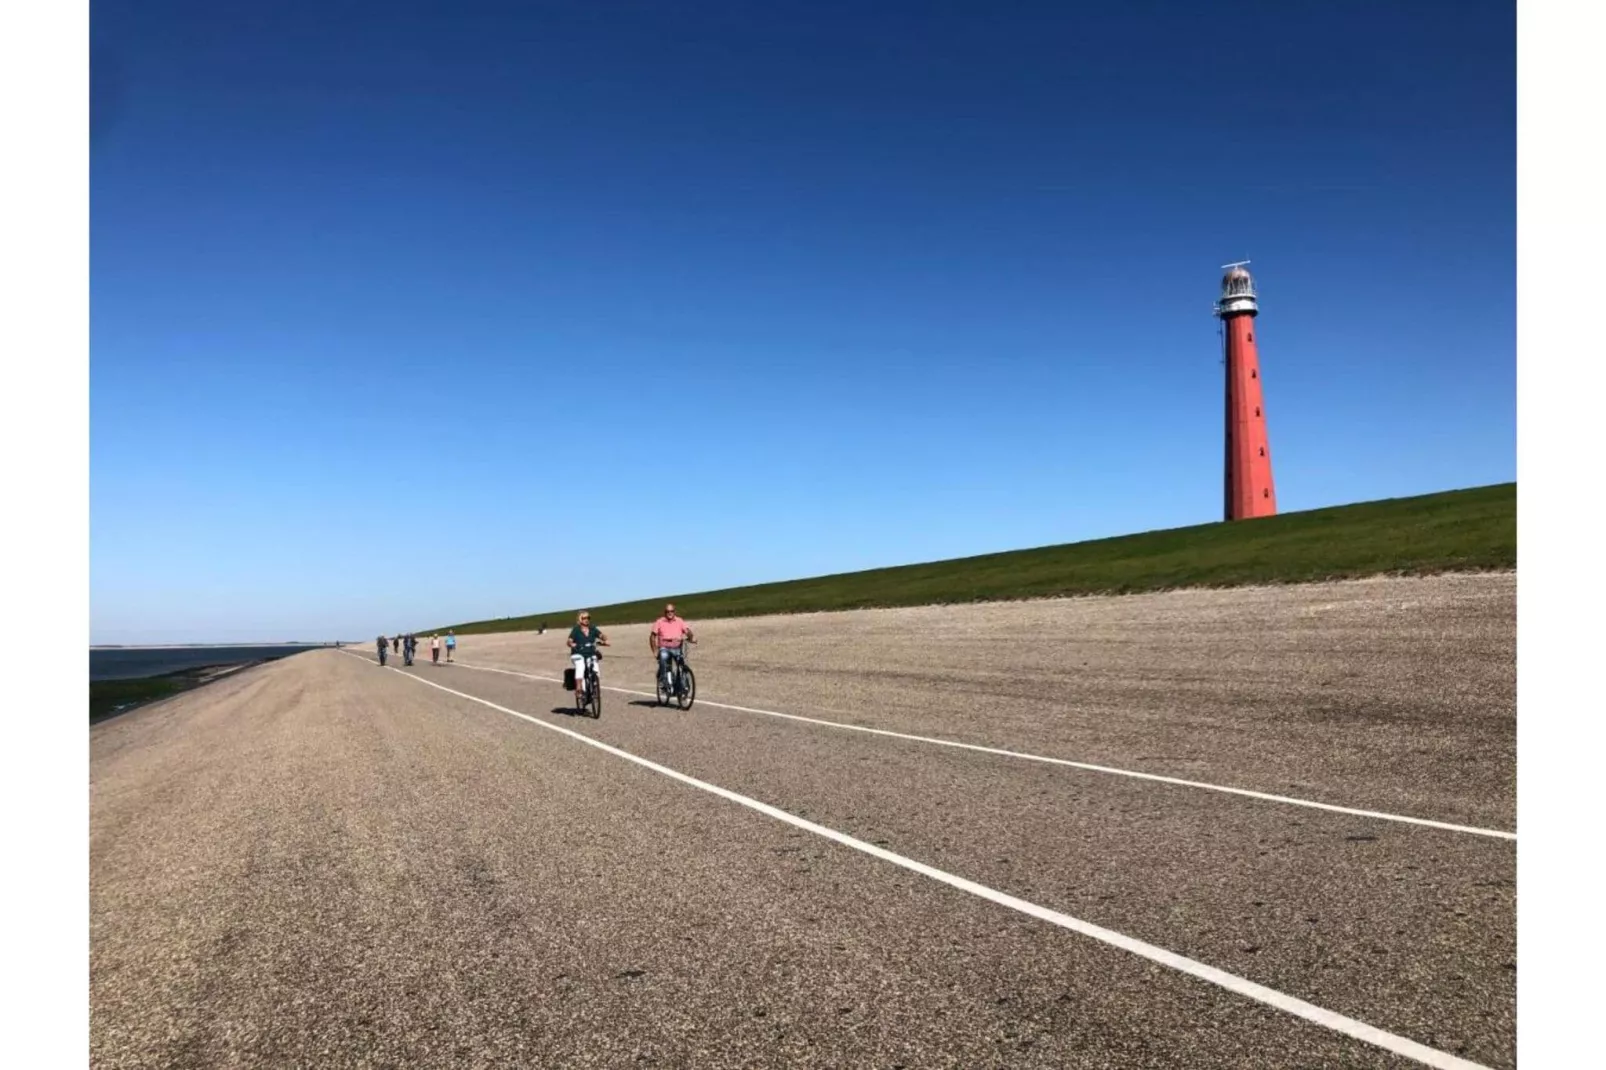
(667, 635)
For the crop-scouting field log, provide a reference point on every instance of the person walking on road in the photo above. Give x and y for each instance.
(395, 644)
(409, 648)
(384, 646)
(451, 645)
(435, 649)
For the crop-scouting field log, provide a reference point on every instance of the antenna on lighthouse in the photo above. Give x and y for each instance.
(1237, 291)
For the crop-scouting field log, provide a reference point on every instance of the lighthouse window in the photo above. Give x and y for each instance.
(1254, 374)
(1251, 336)
(1263, 451)
(1257, 410)
(1265, 494)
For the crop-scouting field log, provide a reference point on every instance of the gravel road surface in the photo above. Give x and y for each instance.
(320, 862)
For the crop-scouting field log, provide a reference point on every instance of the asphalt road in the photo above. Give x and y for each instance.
(320, 862)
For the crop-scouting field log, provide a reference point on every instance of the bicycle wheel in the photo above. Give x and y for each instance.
(688, 687)
(661, 688)
(594, 686)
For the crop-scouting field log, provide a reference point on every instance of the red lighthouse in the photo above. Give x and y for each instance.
(1249, 489)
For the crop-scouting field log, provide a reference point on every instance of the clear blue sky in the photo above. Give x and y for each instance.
(406, 313)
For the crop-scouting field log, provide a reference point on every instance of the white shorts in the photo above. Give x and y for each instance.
(580, 668)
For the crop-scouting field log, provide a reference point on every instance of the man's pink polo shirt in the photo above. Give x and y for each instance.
(670, 632)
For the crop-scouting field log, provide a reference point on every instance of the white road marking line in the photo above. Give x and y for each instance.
(1242, 986)
(1378, 815)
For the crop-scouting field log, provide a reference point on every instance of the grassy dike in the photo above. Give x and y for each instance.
(109, 696)
(1459, 530)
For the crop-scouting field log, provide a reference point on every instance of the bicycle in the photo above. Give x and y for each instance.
(592, 696)
(676, 680)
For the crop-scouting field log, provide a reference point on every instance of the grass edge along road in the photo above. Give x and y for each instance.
(107, 697)
(1450, 531)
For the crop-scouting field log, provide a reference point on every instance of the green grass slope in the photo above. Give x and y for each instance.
(1459, 530)
(107, 696)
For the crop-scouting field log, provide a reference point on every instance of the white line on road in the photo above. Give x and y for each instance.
(1242, 986)
(1378, 815)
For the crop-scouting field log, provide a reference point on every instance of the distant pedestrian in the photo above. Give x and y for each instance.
(451, 645)
(435, 649)
(409, 648)
(383, 647)
(395, 645)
